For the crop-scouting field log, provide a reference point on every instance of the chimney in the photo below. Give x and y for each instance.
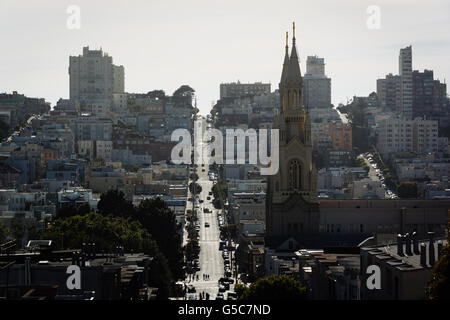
(408, 245)
(400, 245)
(431, 249)
(439, 244)
(423, 255)
(415, 243)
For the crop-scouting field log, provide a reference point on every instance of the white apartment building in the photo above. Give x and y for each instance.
(104, 150)
(398, 135)
(93, 77)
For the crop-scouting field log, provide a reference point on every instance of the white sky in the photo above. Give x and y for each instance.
(166, 43)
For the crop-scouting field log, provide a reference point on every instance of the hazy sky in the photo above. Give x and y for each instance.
(164, 44)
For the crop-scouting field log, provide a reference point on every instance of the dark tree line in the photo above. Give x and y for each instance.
(151, 228)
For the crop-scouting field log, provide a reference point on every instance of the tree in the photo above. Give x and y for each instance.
(107, 232)
(239, 288)
(160, 94)
(160, 276)
(114, 202)
(439, 286)
(193, 176)
(4, 130)
(198, 188)
(3, 233)
(275, 287)
(407, 189)
(229, 230)
(72, 209)
(192, 250)
(17, 230)
(183, 91)
(160, 222)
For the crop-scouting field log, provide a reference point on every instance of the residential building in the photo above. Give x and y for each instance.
(94, 77)
(399, 135)
(388, 92)
(316, 85)
(237, 89)
(406, 83)
(405, 266)
(341, 136)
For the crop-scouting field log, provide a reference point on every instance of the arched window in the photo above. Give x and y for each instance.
(295, 173)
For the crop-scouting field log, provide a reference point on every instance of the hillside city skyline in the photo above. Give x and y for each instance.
(173, 56)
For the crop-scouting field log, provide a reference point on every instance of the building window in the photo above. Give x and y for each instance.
(295, 175)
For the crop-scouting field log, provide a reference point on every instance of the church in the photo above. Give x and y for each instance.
(296, 218)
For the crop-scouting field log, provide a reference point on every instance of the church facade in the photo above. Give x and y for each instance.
(294, 213)
(291, 204)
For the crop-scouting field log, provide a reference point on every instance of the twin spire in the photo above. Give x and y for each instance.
(291, 68)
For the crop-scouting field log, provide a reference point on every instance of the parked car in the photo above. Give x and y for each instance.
(191, 289)
(225, 280)
(206, 224)
(219, 296)
(192, 296)
(231, 295)
(222, 288)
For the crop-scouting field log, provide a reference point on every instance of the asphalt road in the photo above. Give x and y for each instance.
(211, 261)
(373, 174)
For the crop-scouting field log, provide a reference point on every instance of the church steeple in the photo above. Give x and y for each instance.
(294, 74)
(286, 62)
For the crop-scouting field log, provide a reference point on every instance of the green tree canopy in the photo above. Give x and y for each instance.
(160, 276)
(4, 130)
(114, 202)
(72, 209)
(184, 90)
(160, 94)
(160, 222)
(107, 232)
(275, 287)
(3, 232)
(439, 286)
(407, 189)
(198, 188)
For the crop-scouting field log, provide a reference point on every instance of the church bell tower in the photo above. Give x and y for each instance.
(291, 193)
